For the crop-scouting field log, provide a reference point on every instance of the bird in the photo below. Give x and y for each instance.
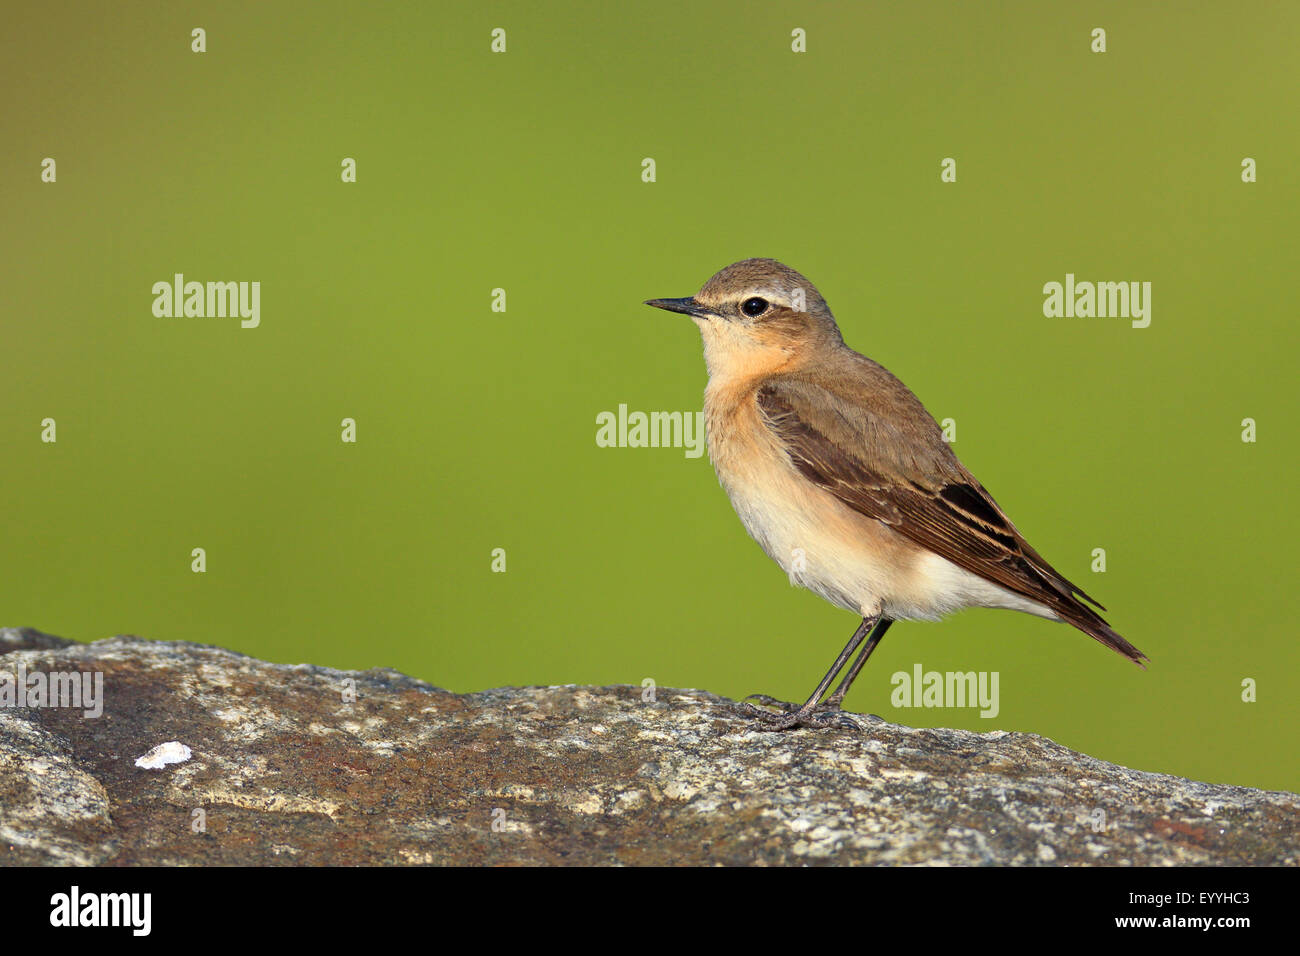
(844, 479)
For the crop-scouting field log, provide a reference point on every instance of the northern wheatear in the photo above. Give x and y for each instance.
(840, 474)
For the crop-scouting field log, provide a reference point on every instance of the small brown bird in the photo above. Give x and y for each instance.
(840, 474)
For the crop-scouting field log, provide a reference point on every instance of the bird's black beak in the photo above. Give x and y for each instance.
(687, 306)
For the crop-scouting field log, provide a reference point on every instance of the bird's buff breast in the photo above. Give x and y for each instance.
(850, 560)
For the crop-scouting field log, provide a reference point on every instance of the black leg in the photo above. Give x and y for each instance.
(813, 712)
(877, 636)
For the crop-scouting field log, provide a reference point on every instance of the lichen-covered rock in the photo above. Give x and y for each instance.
(310, 765)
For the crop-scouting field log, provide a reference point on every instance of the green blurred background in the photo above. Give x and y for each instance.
(476, 429)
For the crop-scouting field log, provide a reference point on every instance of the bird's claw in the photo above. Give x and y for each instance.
(818, 715)
(767, 701)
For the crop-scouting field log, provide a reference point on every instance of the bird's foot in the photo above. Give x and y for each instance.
(767, 701)
(819, 715)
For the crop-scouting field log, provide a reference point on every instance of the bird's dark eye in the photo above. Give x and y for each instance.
(754, 307)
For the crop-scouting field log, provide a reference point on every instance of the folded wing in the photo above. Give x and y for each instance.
(895, 467)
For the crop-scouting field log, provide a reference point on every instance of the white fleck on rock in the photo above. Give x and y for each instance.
(590, 803)
(679, 790)
(173, 751)
(1046, 853)
(630, 800)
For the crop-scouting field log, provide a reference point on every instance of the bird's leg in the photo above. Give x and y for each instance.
(845, 654)
(877, 634)
(813, 713)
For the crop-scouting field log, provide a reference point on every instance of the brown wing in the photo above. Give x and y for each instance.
(897, 469)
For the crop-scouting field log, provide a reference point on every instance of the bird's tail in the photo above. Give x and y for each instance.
(1067, 599)
(1092, 624)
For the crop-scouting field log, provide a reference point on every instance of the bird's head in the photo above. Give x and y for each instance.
(758, 316)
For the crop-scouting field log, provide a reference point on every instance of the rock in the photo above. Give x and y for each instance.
(285, 768)
(28, 638)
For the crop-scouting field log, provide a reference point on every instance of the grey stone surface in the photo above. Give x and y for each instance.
(285, 769)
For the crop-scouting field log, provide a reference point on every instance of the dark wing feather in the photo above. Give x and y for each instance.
(920, 489)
